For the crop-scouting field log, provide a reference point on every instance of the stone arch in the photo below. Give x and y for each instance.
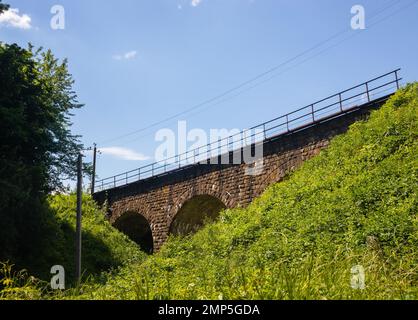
(212, 190)
(137, 228)
(191, 215)
(131, 204)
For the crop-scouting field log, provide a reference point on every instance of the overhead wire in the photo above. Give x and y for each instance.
(224, 95)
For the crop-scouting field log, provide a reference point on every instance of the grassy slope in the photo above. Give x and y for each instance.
(354, 204)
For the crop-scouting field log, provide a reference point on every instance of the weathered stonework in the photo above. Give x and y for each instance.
(160, 198)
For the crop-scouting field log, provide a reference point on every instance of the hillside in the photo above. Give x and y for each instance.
(354, 204)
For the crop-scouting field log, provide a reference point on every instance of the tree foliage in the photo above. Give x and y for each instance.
(37, 148)
(36, 102)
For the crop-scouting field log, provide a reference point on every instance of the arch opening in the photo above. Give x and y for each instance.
(137, 228)
(194, 213)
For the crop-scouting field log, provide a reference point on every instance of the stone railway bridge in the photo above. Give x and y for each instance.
(178, 202)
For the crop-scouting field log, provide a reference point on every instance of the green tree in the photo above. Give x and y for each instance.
(37, 149)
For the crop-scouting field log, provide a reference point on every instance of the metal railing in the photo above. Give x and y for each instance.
(311, 114)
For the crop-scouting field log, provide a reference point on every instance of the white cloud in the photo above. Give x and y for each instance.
(124, 153)
(11, 18)
(195, 3)
(126, 56)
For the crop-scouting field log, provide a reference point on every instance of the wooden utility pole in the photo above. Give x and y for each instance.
(78, 225)
(93, 176)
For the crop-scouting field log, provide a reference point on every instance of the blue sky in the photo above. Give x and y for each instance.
(138, 62)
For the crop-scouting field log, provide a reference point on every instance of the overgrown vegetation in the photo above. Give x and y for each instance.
(104, 248)
(354, 204)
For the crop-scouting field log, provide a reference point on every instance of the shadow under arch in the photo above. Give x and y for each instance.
(137, 228)
(194, 213)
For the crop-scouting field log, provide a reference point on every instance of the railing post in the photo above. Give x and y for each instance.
(152, 170)
(397, 79)
(341, 102)
(367, 91)
(139, 174)
(230, 150)
(264, 131)
(313, 112)
(114, 181)
(126, 178)
(208, 152)
(102, 185)
(287, 122)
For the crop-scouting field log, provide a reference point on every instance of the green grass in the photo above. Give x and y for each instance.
(354, 204)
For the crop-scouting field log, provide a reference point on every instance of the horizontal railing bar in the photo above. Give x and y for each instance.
(384, 85)
(385, 75)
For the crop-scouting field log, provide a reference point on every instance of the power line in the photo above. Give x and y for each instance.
(214, 100)
(315, 55)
